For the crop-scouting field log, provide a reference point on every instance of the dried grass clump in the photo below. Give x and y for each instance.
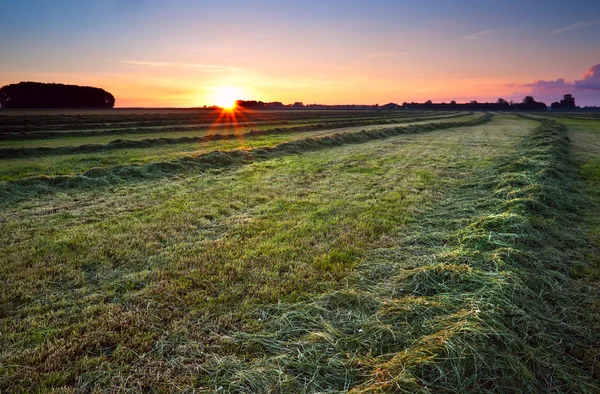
(494, 310)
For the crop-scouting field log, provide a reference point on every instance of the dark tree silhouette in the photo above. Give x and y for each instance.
(529, 100)
(529, 103)
(54, 95)
(568, 101)
(502, 104)
(555, 105)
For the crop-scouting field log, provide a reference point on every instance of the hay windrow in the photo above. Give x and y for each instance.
(495, 310)
(160, 127)
(102, 177)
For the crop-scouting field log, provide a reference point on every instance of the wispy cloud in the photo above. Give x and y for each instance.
(209, 67)
(577, 26)
(477, 36)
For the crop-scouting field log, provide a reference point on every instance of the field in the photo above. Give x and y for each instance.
(299, 251)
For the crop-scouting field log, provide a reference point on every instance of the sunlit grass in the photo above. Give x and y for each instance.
(117, 287)
(19, 168)
(460, 260)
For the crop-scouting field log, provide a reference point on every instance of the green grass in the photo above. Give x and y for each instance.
(16, 169)
(481, 296)
(75, 121)
(146, 286)
(105, 139)
(88, 137)
(585, 137)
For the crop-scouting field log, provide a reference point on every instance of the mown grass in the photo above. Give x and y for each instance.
(482, 296)
(145, 287)
(585, 137)
(17, 168)
(53, 125)
(592, 115)
(264, 147)
(87, 137)
(126, 130)
(92, 143)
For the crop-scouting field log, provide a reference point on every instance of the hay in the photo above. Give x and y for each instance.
(496, 310)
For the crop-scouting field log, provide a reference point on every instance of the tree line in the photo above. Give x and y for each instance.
(253, 104)
(527, 104)
(54, 95)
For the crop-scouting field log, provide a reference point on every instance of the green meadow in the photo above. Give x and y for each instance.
(340, 252)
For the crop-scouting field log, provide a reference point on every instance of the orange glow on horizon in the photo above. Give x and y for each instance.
(226, 97)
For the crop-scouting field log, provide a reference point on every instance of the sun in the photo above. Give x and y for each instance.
(226, 96)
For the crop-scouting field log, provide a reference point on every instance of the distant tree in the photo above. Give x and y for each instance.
(428, 102)
(274, 104)
(568, 101)
(252, 104)
(298, 104)
(473, 102)
(453, 102)
(529, 103)
(54, 95)
(511, 103)
(502, 104)
(529, 100)
(555, 105)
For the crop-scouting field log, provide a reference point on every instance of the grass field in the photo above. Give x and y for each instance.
(77, 154)
(427, 252)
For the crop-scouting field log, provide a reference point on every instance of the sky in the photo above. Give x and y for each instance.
(185, 53)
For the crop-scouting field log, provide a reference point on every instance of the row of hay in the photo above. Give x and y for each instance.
(101, 177)
(37, 123)
(492, 307)
(119, 129)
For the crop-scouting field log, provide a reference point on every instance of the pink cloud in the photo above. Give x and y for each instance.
(586, 90)
(559, 83)
(591, 79)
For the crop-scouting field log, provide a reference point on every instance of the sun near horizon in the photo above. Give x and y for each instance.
(225, 97)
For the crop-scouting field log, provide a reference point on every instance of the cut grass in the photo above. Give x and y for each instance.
(85, 144)
(488, 304)
(35, 122)
(127, 131)
(141, 287)
(586, 141)
(104, 177)
(75, 164)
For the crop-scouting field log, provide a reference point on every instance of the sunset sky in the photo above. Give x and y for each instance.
(181, 53)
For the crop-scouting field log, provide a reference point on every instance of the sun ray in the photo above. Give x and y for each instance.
(225, 97)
